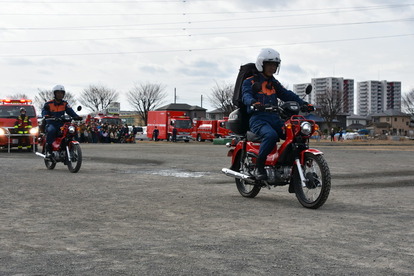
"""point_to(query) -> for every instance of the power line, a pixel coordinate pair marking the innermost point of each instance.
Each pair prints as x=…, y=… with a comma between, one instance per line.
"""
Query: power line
x=316, y=11
x=144, y=26
x=100, y=2
x=207, y=49
x=243, y=29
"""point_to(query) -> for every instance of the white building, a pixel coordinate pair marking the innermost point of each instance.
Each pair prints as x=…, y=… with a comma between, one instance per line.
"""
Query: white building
x=378, y=96
x=341, y=89
x=300, y=90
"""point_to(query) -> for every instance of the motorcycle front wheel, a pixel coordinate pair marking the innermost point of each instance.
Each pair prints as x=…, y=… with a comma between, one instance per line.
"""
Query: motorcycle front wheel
x=245, y=188
x=318, y=182
x=75, y=161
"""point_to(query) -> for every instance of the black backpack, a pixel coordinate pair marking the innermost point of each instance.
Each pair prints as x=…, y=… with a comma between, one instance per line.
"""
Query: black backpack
x=246, y=70
x=238, y=121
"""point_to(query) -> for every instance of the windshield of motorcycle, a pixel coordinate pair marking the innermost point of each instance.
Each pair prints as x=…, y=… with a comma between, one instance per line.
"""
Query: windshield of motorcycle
x=13, y=111
x=183, y=124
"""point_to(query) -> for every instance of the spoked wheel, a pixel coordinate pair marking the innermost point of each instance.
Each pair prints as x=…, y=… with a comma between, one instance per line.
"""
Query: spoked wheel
x=50, y=164
x=318, y=182
x=245, y=188
x=75, y=161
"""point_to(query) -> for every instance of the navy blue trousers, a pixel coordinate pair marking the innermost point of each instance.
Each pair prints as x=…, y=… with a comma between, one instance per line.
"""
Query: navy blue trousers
x=268, y=126
x=51, y=132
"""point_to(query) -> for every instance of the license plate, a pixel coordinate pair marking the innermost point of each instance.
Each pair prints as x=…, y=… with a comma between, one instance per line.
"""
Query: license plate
x=15, y=141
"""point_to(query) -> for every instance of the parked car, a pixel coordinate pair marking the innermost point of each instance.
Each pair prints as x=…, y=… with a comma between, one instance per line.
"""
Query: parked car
x=141, y=133
x=347, y=136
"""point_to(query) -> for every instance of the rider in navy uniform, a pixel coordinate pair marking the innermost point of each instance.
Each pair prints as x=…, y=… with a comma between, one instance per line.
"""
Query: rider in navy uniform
x=263, y=89
x=56, y=108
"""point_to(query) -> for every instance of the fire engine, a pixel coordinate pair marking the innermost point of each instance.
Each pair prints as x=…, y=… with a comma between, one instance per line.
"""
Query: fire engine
x=109, y=115
x=210, y=129
x=9, y=112
x=102, y=118
x=166, y=121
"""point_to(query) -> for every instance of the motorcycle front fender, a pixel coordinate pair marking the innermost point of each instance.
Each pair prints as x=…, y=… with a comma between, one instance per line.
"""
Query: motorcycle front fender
x=74, y=142
x=311, y=151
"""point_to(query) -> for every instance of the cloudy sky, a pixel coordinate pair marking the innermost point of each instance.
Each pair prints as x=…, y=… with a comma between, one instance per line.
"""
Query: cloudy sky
x=192, y=45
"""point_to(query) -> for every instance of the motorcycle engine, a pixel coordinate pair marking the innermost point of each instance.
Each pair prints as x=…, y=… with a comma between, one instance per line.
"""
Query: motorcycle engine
x=59, y=156
x=279, y=175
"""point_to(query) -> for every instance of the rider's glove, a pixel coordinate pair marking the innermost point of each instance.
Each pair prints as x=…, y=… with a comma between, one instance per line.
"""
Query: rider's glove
x=306, y=107
x=258, y=106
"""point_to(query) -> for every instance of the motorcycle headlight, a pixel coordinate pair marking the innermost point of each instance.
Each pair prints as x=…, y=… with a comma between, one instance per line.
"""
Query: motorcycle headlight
x=306, y=128
x=72, y=129
x=34, y=131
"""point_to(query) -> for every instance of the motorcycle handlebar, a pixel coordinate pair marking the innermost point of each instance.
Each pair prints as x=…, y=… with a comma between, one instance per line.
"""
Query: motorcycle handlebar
x=266, y=108
x=62, y=119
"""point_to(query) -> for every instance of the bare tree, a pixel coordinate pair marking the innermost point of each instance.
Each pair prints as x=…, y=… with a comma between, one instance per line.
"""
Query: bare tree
x=222, y=97
x=44, y=95
x=329, y=105
x=146, y=97
x=97, y=98
x=408, y=102
x=18, y=96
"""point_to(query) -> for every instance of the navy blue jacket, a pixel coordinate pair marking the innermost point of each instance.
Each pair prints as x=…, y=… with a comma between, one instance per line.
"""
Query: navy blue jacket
x=54, y=109
x=269, y=94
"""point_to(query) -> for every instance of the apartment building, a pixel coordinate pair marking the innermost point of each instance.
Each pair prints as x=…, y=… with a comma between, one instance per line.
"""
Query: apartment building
x=300, y=90
x=340, y=89
x=378, y=96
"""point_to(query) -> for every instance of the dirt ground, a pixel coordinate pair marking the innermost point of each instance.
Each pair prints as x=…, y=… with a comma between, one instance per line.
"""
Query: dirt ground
x=158, y=208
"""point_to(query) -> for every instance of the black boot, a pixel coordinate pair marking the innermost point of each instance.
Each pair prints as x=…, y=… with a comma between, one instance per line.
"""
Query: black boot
x=260, y=172
x=49, y=151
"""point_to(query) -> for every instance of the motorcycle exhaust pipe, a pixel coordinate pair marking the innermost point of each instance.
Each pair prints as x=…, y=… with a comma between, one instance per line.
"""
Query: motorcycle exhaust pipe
x=235, y=174
x=41, y=155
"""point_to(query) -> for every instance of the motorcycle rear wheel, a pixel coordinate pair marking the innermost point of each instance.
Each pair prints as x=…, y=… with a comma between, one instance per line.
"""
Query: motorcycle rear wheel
x=318, y=186
x=74, y=164
x=245, y=188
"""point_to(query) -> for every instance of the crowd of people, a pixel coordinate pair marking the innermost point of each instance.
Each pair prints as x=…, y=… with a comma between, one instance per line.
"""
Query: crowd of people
x=104, y=133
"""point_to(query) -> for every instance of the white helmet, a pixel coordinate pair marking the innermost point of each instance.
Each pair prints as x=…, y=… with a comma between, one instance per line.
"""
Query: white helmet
x=58, y=88
x=268, y=55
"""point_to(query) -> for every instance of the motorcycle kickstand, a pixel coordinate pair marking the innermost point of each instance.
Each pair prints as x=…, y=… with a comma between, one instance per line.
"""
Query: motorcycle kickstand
x=266, y=184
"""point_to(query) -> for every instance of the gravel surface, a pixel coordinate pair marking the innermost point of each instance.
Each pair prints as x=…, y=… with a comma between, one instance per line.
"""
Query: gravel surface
x=158, y=208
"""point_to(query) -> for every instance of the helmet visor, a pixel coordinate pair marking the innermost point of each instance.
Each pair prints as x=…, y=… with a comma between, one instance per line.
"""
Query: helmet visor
x=272, y=63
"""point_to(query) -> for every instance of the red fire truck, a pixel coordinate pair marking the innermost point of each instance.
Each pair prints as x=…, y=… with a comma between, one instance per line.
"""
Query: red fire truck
x=110, y=119
x=109, y=115
x=166, y=121
x=9, y=112
x=210, y=129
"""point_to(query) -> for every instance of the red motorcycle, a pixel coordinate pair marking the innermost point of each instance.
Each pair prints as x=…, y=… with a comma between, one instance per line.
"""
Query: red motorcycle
x=293, y=163
x=65, y=148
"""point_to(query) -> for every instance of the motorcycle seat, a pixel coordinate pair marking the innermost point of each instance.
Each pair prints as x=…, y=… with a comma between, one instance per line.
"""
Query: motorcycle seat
x=252, y=137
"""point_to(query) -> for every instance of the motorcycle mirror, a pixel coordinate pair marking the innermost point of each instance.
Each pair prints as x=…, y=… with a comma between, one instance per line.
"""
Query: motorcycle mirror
x=79, y=108
x=308, y=89
x=256, y=87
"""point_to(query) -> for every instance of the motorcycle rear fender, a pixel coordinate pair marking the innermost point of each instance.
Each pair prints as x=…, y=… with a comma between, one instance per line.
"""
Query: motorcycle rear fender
x=311, y=151
x=234, y=153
